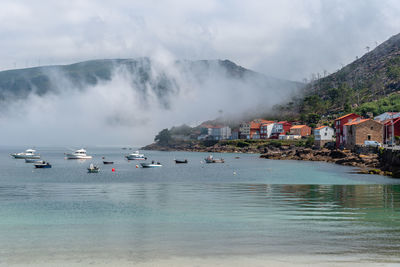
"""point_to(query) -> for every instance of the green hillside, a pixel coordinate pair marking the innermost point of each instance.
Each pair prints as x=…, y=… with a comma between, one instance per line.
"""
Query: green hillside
x=369, y=84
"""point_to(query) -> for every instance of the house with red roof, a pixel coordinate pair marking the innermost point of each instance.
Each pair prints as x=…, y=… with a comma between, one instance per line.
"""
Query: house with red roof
x=339, y=123
x=358, y=131
x=301, y=130
x=280, y=128
x=266, y=130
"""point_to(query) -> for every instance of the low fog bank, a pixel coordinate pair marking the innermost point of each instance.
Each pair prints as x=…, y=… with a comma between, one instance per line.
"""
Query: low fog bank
x=133, y=106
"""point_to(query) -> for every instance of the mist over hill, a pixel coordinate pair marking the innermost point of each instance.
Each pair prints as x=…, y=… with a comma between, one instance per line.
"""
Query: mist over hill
x=132, y=95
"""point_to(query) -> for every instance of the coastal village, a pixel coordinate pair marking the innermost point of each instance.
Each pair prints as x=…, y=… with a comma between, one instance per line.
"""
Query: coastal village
x=347, y=132
x=370, y=143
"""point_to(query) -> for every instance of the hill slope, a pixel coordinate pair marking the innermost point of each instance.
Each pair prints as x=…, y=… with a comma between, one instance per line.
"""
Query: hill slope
x=372, y=77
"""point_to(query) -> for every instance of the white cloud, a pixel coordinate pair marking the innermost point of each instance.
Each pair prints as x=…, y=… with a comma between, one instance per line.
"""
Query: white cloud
x=289, y=39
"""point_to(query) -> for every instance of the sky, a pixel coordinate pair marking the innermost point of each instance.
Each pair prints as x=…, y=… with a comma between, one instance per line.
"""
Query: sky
x=289, y=39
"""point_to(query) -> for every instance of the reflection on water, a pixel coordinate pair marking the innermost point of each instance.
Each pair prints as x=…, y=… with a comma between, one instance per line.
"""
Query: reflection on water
x=157, y=220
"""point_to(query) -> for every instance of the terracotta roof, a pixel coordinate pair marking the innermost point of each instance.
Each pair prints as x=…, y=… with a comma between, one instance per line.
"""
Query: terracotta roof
x=356, y=122
x=254, y=125
x=321, y=127
x=298, y=126
x=281, y=122
x=347, y=116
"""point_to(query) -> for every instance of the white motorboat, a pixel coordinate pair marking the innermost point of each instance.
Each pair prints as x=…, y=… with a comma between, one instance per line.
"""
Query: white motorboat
x=151, y=165
x=78, y=154
x=28, y=154
x=135, y=156
x=210, y=159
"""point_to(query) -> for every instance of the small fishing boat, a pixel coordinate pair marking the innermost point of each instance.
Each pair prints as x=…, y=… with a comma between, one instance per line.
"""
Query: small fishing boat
x=93, y=169
x=135, y=156
x=78, y=154
x=210, y=159
x=108, y=162
x=28, y=154
x=34, y=161
x=151, y=165
x=42, y=165
x=177, y=161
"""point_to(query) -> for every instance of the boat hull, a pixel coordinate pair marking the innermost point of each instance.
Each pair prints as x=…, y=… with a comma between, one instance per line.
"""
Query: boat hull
x=149, y=165
x=33, y=161
x=72, y=156
x=108, y=162
x=181, y=161
x=42, y=166
x=17, y=156
x=135, y=158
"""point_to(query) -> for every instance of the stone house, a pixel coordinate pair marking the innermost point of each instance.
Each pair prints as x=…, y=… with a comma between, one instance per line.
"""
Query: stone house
x=360, y=130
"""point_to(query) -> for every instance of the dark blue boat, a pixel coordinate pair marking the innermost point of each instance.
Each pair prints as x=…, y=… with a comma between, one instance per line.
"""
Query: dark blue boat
x=43, y=165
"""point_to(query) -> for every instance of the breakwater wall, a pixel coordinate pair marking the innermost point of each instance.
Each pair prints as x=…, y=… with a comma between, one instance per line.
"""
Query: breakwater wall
x=390, y=161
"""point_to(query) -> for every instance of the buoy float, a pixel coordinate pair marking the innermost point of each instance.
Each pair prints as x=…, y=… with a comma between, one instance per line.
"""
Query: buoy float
x=137, y=166
x=113, y=169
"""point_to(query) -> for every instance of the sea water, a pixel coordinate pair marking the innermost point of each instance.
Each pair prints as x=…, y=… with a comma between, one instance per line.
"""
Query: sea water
x=247, y=211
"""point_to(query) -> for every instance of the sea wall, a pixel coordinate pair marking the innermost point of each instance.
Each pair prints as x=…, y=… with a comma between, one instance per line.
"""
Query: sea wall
x=390, y=161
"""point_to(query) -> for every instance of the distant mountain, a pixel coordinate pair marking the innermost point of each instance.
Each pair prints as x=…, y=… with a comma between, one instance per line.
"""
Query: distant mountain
x=145, y=76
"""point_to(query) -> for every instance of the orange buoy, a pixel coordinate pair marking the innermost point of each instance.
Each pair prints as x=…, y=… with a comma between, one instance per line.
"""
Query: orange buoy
x=113, y=170
x=137, y=166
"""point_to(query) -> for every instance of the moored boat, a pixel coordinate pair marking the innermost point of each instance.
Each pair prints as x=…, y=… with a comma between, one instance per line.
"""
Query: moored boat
x=42, y=165
x=28, y=154
x=135, y=156
x=177, y=161
x=34, y=161
x=93, y=169
x=151, y=165
x=78, y=154
x=210, y=159
x=108, y=162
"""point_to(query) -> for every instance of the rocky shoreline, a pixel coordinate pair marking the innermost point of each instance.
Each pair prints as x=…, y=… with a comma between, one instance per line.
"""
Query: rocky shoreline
x=367, y=163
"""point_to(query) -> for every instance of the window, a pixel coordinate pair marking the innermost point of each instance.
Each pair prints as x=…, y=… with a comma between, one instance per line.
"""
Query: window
x=369, y=137
x=326, y=134
x=372, y=127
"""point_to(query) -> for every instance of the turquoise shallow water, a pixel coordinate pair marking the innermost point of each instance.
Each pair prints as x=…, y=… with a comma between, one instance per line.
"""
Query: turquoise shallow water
x=193, y=210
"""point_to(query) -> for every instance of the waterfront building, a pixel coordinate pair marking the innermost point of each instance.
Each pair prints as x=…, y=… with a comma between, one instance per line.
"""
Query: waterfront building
x=390, y=127
x=302, y=130
x=280, y=128
x=339, y=123
x=360, y=130
x=266, y=130
x=323, y=135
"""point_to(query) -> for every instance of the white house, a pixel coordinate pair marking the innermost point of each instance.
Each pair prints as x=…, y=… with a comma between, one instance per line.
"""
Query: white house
x=323, y=135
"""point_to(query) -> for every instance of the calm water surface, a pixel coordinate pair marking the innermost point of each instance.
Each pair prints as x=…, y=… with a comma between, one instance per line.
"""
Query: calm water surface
x=247, y=206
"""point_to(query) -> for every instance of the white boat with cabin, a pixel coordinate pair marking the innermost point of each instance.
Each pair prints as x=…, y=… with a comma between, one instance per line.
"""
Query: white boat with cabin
x=28, y=154
x=135, y=156
x=78, y=154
